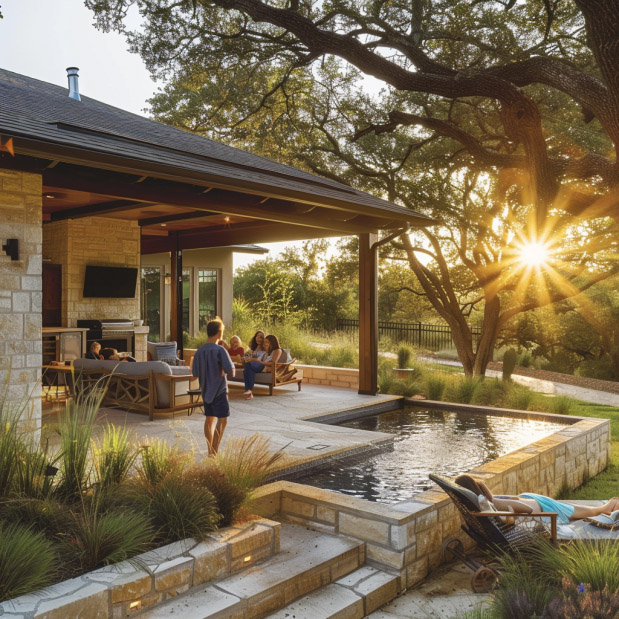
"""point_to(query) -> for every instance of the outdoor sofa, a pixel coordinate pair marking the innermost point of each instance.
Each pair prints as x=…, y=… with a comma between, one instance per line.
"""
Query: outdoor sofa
x=285, y=374
x=148, y=387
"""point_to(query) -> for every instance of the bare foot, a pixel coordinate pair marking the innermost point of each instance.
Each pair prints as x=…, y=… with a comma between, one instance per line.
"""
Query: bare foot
x=611, y=506
x=249, y=395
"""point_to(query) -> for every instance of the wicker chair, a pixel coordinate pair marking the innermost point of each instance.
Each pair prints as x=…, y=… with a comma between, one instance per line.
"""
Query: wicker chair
x=490, y=532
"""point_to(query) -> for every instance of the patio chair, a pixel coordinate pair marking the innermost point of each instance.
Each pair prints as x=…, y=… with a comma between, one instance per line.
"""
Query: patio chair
x=490, y=532
x=163, y=351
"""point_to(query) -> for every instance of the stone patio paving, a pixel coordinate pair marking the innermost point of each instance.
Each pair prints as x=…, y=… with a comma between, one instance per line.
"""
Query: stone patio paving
x=282, y=418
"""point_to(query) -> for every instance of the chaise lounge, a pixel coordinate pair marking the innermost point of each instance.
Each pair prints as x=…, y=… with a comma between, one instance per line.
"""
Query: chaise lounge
x=285, y=374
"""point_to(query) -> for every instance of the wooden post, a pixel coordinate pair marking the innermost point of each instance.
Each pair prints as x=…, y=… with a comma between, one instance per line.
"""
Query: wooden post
x=176, y=295
x=368, y=315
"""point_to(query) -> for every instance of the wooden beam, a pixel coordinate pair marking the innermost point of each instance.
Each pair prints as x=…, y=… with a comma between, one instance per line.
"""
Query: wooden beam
x=164, y=219
x=368, y=315
x=92, y=210
x=259, y=232
x=176, y=294
x=220, y=201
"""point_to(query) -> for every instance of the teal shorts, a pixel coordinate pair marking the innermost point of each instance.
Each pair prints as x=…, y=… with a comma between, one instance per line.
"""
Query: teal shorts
x=564, y=511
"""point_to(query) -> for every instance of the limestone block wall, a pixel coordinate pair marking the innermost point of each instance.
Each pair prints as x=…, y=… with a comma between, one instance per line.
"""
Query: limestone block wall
x=99, y=241
x=335, y=377
x=20, y=290
x=407, y=538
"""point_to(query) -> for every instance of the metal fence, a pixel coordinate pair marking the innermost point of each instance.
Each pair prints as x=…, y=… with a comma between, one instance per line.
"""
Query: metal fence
x=423, y=335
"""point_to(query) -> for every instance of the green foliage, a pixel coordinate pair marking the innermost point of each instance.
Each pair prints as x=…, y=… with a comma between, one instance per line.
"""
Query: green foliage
x=11, y=448
x=113, y=457
x=96, y=539
x=561, y=405
x=404, y=356
x=176, y=509
x=462, y=390
x=510, y=359
x=435, y=387
x=492, y=392
x=27, y=561
x=228, y=496
x=158, y=460
x=519, y=397
x=247, y=461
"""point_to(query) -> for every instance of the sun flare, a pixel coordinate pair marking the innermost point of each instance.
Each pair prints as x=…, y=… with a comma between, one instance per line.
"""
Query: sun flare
x=534, y=254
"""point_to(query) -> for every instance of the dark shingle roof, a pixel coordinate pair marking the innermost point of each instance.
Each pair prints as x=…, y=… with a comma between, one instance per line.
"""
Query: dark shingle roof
x=41, y=111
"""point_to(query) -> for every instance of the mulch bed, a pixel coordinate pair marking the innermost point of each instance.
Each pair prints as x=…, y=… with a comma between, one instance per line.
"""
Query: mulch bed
x=567, y=379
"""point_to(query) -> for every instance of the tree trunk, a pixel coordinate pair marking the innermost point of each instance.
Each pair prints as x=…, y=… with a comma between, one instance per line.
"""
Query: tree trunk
x=489, y=334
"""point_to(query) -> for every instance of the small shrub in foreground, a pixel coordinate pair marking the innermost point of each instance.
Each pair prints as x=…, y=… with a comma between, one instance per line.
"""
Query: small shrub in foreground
x=462, y=390
x=27, y=561
x=519, y=398
x=158, y=460
x=561, y=405
x=114, y=456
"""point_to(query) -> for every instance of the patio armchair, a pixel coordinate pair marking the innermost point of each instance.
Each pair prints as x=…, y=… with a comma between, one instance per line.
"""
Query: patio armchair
x=163, y=351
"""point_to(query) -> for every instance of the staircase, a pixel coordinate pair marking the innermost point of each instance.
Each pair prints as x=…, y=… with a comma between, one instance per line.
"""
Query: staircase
x=314, y=575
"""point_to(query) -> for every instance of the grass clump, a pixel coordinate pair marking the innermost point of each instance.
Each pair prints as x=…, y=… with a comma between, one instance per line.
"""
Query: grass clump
x=561, y=405
x=27, y=560
x=435, y=387
x=404, y=356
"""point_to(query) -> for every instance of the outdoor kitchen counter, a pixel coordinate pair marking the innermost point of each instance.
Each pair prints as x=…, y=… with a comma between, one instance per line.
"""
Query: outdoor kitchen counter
x=52, y=330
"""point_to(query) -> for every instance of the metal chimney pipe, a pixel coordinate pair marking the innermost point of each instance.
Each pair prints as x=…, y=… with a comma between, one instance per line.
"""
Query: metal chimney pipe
x=74, y=88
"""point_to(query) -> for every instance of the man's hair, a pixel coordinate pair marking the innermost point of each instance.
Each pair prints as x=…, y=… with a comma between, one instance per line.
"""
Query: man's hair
x=214, y=327
x=106, y=353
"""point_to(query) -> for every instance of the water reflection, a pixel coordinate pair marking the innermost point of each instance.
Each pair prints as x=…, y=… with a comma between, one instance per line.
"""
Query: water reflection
x=440, y=442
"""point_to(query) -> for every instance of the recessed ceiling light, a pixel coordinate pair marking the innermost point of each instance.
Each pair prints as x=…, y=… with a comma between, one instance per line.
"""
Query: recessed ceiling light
x=163, y=225
x=226, y=219
x=49, y=196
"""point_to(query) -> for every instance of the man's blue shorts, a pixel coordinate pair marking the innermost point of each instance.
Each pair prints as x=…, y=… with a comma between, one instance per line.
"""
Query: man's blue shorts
x=219, y=407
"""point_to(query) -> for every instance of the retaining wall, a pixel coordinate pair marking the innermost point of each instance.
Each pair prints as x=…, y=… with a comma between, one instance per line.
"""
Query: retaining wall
x=407, y=537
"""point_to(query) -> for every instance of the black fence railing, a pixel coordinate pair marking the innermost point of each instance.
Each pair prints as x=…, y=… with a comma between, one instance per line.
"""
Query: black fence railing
x=423, y=335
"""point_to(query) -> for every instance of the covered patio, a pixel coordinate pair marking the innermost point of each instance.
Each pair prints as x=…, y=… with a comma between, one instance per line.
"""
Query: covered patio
x=87, y=183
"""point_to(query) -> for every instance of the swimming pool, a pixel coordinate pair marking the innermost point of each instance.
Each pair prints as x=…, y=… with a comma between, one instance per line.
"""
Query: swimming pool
x=427, y=441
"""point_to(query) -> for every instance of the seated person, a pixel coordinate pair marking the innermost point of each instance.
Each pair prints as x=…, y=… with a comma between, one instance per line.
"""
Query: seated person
x=528, y=502
x=110, y=354
x=266, y=364
x=95, y=349
x=256, y=348
x=235, y=350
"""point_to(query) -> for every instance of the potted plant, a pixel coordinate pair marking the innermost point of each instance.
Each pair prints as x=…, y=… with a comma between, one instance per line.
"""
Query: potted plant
x=405, y=353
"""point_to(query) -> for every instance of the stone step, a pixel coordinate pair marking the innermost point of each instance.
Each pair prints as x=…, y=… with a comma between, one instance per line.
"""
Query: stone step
x=351, y=597
x=307, y=561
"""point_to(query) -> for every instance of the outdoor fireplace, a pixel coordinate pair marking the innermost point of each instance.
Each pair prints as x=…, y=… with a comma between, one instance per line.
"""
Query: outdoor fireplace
x=110, y=333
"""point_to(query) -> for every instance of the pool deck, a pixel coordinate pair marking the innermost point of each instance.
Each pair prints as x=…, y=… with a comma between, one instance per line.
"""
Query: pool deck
x=282, y=418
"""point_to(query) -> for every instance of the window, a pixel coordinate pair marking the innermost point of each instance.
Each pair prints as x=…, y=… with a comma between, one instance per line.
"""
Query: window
x=150, y=304
x=207, y=297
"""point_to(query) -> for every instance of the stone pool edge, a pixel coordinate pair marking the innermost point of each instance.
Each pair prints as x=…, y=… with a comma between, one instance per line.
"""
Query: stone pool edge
x=406, y=538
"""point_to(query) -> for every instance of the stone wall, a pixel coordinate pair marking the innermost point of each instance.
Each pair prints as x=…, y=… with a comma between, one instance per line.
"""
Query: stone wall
x=20, y=290
x=335, y=377
x=99, y=241
x=407, y=537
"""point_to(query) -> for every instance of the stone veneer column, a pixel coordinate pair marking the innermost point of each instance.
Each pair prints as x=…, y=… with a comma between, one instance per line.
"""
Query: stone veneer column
x=140, y=337
x=20, y=293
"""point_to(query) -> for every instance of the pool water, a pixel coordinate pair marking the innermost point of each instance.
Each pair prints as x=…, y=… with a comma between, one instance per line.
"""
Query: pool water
x=439, y=442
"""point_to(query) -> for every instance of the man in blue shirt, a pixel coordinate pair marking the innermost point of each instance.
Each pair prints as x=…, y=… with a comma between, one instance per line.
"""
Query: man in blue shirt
x=210, y=366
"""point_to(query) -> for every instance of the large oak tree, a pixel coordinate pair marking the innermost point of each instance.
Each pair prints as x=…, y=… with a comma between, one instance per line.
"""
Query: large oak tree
x=500, y=118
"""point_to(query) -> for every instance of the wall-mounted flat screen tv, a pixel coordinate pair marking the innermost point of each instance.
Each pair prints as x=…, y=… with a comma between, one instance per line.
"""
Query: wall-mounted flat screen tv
x=115, y=282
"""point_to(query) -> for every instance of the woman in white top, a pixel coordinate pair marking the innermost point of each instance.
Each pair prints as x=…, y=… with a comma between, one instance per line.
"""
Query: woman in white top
x=265, y=364
x=256, y=347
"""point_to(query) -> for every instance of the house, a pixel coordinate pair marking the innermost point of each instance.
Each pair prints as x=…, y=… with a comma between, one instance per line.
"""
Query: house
x=84, y=184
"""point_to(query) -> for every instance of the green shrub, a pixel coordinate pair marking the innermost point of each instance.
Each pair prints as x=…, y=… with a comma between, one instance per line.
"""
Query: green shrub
x=113, y=457
x=158, y=460
x=229, y=497
x=96, y=539
x=561, y=405
x=404, y=356
x=510, y=358
x=11, y=447
x=435, y=387
x=491, y=392
x=462, y=390
x=75, y=426
x=248, y=461
x=601, y=369
x=48, y=514
x=176, y=509
x=519, y=398
x=27, y=561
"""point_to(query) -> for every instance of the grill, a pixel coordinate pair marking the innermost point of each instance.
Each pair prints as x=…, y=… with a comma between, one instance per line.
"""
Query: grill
x=110, y=332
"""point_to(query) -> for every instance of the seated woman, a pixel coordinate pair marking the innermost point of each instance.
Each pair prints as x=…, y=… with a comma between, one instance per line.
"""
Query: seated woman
x=93, y=353
x=528, y=502
x=235, y=350
x=265, y=364
x=256, y=348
